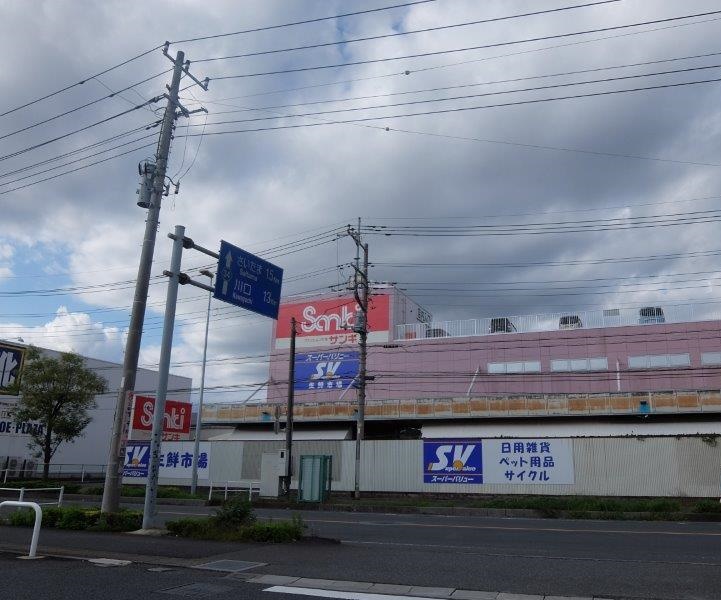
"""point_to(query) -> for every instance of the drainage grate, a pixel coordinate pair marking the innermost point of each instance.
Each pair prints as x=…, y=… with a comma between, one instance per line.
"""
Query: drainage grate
x=198, y=590
x=229, y=566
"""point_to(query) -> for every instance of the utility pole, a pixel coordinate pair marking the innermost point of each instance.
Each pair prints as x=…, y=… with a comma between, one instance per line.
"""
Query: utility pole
x=289, y=410
x=116, y=455
x=174, y=278
x=361, y=292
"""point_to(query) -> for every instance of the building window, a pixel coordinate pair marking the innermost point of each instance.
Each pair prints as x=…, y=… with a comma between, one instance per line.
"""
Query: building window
x=659, y=361
x=529, y=366
x=711, y=358
x=580, y=364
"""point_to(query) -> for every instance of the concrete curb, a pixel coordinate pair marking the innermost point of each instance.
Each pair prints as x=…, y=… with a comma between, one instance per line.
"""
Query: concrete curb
x=528, y=513
x=288, y=583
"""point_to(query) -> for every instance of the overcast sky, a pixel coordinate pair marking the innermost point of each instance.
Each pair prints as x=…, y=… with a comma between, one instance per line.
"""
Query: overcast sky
x=69, y=246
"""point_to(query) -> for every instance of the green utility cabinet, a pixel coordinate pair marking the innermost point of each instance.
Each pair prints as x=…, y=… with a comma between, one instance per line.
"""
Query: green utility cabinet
x=315, y=477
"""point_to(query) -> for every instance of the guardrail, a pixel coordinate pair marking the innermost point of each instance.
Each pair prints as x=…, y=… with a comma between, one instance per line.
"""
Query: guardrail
x=23, y=490
x=234, y=486
x=82, y=471
x=36, y=528
x=559, y=321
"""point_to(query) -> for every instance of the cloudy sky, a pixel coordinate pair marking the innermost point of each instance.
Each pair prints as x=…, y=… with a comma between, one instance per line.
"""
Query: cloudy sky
x=461, y=205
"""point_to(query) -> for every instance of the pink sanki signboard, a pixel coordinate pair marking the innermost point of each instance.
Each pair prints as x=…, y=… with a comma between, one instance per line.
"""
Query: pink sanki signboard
x=329, y=323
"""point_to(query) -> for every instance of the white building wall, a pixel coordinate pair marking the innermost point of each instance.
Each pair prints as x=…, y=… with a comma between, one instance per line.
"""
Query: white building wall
x=92, y=448
x=661, y=466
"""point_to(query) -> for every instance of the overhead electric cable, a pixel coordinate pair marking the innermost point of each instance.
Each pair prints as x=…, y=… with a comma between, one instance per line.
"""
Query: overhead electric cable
x=97, y=162
x=455, y=87
x=463, y=109
x=463, y=97
x=71, y=133
x=81, y=82
x=403, y=33
x=465, y=49
x=303, y=22
x=460, y=63
x=79, y=150
x=82, y=106
x=77, y=160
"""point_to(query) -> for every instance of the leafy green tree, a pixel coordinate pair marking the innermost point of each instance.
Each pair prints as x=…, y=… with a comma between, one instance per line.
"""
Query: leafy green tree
x=57, y=393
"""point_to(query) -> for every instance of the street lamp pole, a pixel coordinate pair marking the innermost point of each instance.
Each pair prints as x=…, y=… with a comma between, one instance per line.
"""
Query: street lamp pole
x=199, y=420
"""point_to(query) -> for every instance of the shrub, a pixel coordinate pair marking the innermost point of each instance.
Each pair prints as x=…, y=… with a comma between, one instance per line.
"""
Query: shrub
x=707, y=506
x=192, y=527
x=125, y=520
x=51, y=516
x=202, y=528
x=275, y=531
x=22, y=518
x=74, y=518
x=234, y=513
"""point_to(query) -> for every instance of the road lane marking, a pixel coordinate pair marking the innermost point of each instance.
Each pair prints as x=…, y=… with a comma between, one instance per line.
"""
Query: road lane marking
x=506, y=528
x=475, y=550
x=285, y=589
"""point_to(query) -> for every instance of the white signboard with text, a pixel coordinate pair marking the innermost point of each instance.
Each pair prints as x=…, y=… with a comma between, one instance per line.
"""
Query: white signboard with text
x=176, y=460
x=528, y=461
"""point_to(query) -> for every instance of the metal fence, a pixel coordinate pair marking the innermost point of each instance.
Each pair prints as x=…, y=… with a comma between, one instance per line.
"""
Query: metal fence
x=588, y=319
x=30, y=469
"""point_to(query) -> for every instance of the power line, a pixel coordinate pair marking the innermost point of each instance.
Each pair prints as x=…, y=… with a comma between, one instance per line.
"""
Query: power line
x=462, y=229
x=81, y=149
x=545, y=212
x=81, y=82
x=82, y=106
x=66, y=135
x=77, y=160
x=455, y=64
x=463, y=86
x=528, y=146
x=467, y=108
x=303, y=22
x=463, y=97
x=406, y=265
x=97, y=162
x=403, y=33
x=465, y=49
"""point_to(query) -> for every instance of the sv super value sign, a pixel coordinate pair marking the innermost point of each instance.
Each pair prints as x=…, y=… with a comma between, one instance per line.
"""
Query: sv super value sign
x=325, y=370
x=507, y=461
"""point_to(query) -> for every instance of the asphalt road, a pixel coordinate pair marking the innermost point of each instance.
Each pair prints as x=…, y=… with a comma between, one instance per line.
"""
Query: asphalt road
x=610, y=559
x=663, y=560
x=64, y=579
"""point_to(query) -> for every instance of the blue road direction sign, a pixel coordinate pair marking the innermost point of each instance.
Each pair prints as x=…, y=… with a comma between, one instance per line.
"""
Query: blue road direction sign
x=248, y=281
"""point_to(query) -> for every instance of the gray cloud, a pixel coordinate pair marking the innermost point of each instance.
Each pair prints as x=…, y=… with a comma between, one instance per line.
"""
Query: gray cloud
x=260, y=190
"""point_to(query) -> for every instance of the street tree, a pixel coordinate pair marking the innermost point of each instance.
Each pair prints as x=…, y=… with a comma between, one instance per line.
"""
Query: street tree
x=57, y=393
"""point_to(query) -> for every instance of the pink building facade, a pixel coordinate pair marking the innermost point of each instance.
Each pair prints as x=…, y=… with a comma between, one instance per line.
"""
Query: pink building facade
x=567, y=356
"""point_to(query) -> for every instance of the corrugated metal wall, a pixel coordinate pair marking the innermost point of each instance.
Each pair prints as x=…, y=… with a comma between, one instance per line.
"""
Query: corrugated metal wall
x=662, y=466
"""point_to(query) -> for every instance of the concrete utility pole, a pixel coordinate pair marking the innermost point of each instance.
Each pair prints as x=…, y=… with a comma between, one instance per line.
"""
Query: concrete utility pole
x=362, y=294
x=116, y=455
x=174, y=276
x=289, y=410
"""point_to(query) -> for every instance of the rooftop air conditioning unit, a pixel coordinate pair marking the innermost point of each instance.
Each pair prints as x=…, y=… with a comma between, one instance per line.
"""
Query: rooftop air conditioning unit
x=570, y=322
x=651, y=314
x=501, y=325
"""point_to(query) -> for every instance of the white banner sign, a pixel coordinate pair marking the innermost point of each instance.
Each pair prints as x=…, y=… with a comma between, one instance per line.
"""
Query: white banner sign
x=176, y=460
x=528, y=461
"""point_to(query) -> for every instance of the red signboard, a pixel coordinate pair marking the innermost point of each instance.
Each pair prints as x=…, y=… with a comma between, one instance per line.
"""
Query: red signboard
x=330, y=322
x=176, y=424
